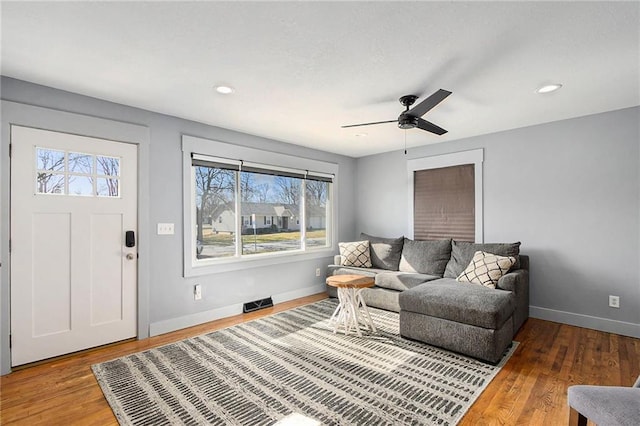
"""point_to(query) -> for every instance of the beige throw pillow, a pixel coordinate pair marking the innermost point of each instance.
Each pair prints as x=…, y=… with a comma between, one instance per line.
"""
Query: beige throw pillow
x=355, y=254
x=486, y=269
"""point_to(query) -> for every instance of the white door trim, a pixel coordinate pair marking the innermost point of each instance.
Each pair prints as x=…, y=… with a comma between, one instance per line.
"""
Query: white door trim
x=14, y=113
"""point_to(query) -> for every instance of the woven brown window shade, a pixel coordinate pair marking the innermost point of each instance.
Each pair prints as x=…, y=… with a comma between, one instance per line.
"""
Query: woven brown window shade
x=444, y=203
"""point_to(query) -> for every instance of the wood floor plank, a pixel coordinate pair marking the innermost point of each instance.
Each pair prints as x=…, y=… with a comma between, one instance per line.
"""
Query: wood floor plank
x=530, y=389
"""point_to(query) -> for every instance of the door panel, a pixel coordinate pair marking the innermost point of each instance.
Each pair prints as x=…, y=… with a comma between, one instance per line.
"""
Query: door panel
x=51, y=274
x=106, y=293
x=72, y=285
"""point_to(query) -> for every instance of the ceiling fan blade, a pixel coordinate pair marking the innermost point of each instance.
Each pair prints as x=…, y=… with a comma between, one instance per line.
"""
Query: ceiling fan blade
x=430, y=127
x=424, y=106
x=368, y=124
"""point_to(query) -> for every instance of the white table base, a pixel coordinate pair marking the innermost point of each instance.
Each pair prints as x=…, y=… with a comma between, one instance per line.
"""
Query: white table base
x=351, y=312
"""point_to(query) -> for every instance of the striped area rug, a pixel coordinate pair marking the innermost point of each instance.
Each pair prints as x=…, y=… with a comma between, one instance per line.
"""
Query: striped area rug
x=291, y=363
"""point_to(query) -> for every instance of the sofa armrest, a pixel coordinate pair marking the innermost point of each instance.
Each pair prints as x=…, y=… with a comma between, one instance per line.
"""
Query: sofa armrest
x=514, y=281
x=337, y=259
x=517, y=282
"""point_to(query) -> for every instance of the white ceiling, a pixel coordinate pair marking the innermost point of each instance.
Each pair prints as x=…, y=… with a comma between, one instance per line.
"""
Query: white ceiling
x=303, y=69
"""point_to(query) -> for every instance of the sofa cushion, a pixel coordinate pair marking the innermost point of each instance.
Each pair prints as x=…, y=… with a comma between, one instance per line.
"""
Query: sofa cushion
x=355, y=253
x=486, y=269
x=425, y=257
x=462, y=252
x=385, y=252
x=352, y=270
x=382, y=298
x=402, y=280
x=469, y=304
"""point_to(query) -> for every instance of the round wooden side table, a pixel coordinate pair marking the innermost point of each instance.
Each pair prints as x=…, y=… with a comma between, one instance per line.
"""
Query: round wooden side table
x=351, y=311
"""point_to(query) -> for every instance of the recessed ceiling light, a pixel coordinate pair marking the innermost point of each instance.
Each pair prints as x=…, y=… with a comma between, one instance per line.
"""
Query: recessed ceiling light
x=225, y=90
x=361, y=135
x=548, y=88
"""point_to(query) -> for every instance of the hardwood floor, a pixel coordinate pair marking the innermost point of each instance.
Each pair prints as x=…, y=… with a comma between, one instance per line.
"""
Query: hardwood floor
x=530, y=389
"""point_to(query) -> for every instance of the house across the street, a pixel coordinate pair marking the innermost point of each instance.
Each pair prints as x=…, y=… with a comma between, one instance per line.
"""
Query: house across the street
x=276, y=216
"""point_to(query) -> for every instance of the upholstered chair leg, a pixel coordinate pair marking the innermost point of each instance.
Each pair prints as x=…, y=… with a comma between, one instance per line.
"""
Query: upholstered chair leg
x=576, y=419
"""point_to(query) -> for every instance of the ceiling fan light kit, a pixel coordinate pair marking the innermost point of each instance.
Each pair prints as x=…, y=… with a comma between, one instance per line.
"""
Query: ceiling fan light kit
x=410, y=118
x=407, y=122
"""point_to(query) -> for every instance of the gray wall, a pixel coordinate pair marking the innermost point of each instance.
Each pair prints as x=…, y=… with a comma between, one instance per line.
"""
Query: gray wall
x=569, y=190
x=171, y=295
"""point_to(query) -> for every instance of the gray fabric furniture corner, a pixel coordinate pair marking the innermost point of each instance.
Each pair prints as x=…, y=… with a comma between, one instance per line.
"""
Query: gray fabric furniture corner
x=604, y=405
x=418, y=280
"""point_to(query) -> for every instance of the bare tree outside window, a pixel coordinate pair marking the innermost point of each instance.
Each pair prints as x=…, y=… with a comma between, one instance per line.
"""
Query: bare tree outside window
x=108, y=166
x=247, y=187
x=317, y=193
x=48, y=162
x=215, y=196
x=287, y=190
x=263, y=192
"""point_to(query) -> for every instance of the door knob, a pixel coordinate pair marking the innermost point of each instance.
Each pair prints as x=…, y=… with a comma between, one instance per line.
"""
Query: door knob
x=130, y=256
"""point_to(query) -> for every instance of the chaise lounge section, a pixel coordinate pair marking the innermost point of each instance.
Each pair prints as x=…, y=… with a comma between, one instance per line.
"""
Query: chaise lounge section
x=419, y=279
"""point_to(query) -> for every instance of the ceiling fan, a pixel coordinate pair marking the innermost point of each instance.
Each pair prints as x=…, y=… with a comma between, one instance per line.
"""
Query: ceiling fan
x=411, y=118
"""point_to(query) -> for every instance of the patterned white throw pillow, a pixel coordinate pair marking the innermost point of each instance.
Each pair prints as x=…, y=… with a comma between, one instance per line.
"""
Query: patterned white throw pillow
x=355, y=254
x=486, y=269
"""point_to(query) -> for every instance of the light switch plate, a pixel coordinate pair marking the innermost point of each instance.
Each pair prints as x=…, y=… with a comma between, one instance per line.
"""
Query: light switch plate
x=165, y=229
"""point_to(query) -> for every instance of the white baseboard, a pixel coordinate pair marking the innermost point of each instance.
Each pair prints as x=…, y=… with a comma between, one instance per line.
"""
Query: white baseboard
x=173, y=324
x=586, y=321
x=301, y=292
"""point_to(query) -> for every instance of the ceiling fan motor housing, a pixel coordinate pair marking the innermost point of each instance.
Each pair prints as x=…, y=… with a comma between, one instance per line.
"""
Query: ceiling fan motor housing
x=407, y=121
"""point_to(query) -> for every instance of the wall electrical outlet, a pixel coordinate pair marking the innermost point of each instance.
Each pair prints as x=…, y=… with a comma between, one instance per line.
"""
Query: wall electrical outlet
x=197, y=292
x=317, y=272
x=165, y=229
x=614, y=301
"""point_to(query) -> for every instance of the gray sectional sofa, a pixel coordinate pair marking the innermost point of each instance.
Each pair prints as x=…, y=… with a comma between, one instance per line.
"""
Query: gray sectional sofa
x=418, y=280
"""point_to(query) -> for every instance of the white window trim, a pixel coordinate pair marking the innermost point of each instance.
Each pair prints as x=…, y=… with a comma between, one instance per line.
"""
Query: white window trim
x=192, y=144
x=475, y=157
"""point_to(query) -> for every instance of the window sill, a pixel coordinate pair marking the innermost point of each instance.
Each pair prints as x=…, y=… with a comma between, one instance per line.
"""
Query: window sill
x=230, y=265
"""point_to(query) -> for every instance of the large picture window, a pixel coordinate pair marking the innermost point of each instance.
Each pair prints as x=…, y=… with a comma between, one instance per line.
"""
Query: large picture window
x=244, y=210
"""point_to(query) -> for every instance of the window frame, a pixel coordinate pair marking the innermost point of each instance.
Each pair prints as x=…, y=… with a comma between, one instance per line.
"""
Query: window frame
x=475, y=157
x=195, y=145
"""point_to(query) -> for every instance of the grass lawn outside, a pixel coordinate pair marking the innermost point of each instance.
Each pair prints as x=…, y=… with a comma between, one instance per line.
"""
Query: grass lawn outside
x=224, y=244
x=210, y=238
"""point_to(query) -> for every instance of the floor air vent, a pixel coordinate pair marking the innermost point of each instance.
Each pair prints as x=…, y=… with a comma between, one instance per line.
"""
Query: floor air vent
x=257, y=304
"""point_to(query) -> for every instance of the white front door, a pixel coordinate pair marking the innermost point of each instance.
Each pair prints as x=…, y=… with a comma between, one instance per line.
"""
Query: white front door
x=73, y=278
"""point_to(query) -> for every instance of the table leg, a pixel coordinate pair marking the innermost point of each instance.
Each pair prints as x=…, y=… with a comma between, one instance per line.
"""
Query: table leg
x=367, y=317
x=335, y=318
x=353, y=307
x=351, y=312
x=342, y=314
